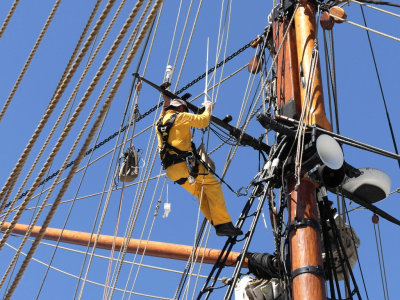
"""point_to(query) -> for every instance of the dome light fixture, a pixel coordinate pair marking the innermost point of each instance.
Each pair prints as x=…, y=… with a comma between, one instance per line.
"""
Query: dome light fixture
x=372, y=185
x=329, y=152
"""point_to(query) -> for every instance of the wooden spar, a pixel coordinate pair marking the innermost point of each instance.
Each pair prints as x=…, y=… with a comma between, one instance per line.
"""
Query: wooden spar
x=287, y=79
x=305, y=244
x=293, y=68
x=150, y=248
x=305, y=249
x=305, y=26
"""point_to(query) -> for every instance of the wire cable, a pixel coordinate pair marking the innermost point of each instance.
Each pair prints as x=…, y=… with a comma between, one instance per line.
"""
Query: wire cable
x=379, y=251
x=380, y=2
x=376, y=8
x=358, y=257
x=380, y=87
x=366, y=28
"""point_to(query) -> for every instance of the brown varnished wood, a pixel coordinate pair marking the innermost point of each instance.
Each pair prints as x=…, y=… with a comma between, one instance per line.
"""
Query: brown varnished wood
x=149, y=248
x=305, y=27
x=304, y=242
x=286, y=65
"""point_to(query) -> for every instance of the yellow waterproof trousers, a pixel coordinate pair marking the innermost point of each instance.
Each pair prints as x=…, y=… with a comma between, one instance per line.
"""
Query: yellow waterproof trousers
x=208, y=191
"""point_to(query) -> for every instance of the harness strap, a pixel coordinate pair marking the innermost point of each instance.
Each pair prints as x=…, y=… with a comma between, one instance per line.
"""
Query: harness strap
x=167, y=158
x=181, y=180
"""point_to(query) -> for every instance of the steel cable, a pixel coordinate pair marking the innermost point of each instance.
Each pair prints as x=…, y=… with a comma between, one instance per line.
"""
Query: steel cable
x=380, y=87
x=379, y=251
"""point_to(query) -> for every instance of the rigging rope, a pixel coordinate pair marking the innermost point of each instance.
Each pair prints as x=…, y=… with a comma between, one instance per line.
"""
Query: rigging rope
x=102, y=257
x=142, y=116
x=139, y=200
x=66, y=78
x=130, y=227
x=379, y=250
x=366, y=28
x=200, y=235
x=356, y=250
x=225, y=28
x=306, y=107
x=65, y=108
x=181, y=39
x=331, y=78
x=380, y=2
x=200, y=232
x=76, y=141
x=140, y=264
x=88, y=140
x=236, y=53
x=133, y=116
x=376, y=8
x=136, y=206
x=67, y=218
x=130, y=123
x=30, y=57
x=305, y=113
x=8, y=18
x=381, y=88
x=173, y=35
x=68, y=127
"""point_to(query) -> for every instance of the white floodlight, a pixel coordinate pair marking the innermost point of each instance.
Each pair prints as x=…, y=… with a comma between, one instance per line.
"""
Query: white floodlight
x=372, y=185
x=329, y=152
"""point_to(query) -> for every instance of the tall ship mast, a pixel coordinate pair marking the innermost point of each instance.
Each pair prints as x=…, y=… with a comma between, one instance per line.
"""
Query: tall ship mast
x=303, y=136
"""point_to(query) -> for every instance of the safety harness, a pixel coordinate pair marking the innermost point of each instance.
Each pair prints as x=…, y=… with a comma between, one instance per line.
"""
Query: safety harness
x=171, y=155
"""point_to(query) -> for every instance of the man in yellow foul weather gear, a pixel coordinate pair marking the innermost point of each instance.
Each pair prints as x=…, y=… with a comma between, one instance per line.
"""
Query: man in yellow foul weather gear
x=176, y=151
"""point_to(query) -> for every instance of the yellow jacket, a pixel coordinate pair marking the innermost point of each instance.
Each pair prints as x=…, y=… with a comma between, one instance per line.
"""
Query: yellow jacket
x=206, y=188
x=179, y=135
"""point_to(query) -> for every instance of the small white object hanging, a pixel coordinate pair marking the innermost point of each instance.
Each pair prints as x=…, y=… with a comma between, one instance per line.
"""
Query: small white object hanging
x=167, y=206
x=167, y=209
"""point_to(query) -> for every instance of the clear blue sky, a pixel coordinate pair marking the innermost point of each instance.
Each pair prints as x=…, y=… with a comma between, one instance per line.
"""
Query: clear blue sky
x=361, y=114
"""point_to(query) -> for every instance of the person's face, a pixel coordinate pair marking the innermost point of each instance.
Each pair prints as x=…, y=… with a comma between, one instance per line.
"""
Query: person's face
x=182, y=108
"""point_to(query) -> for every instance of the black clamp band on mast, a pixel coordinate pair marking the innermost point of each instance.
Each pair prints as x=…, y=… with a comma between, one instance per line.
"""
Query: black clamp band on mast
x=298, y=223
x=317, y=270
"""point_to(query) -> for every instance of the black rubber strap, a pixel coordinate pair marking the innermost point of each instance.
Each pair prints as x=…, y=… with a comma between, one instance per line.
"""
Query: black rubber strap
x=181, y=180
x=317, y=270
x=297, y=223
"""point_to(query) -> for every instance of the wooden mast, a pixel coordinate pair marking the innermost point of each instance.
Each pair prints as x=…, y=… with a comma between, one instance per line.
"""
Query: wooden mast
x=305, y=244
x=293, y=70
x=150, y=248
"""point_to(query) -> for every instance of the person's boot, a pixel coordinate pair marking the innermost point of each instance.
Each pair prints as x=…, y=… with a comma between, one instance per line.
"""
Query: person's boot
x=227, y=229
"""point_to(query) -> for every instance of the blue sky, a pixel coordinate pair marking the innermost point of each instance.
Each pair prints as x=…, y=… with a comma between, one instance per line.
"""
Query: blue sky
x=361, y=114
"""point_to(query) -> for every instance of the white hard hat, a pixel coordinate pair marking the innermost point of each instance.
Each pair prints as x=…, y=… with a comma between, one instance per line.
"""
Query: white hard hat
x=177, y=102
